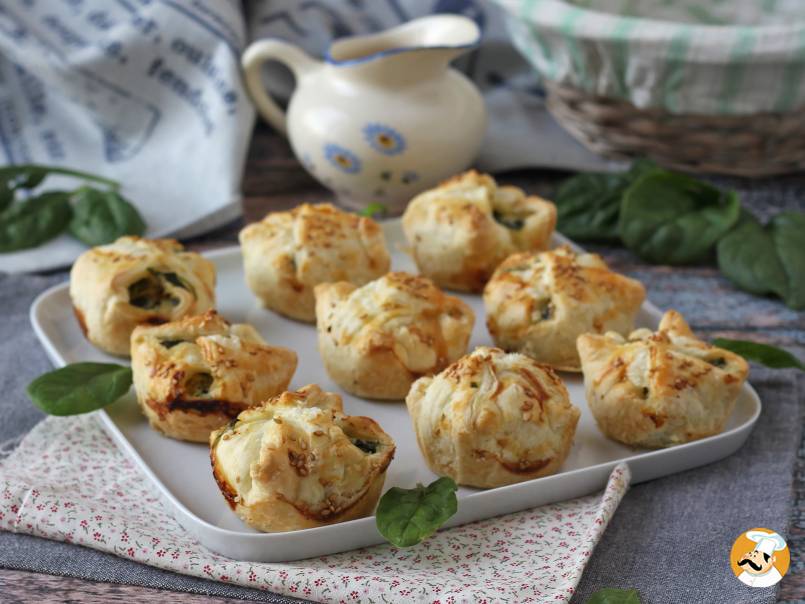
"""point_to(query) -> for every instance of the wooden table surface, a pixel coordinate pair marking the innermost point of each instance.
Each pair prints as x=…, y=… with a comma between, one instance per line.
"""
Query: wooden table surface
x=274, y=180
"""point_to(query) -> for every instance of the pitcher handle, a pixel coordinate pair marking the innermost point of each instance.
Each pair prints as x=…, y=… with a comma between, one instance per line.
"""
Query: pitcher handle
x=299, y=62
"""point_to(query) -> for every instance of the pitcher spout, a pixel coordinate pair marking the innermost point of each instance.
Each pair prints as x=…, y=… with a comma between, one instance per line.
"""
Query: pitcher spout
x=428, y=44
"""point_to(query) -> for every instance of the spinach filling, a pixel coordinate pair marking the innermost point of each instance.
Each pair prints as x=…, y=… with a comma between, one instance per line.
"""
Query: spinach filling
x=510, y=222
x=367, y=446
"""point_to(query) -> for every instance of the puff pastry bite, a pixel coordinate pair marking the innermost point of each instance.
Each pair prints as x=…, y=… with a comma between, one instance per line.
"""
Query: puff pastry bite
x=659, y=389
x=539, y=303
x=133, y=281
x=288, y=253
x=462, y=229
x=194, y=375
x=298, y=462
x=376, y=340
x=493, y=418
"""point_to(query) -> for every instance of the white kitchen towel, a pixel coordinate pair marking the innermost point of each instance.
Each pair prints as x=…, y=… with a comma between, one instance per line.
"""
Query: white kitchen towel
x=149, y=93
x=144, y=92
x=68, y=481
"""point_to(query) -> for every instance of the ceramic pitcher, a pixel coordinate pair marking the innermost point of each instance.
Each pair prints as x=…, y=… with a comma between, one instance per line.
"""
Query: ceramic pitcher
x=383, y=116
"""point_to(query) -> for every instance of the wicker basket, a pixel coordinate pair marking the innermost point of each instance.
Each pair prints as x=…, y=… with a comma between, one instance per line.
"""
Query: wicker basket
x=701, y=86
x=757, y=145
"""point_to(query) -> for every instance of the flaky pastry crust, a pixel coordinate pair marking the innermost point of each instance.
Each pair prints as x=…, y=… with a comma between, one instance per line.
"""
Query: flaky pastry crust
x=462, y=229
x=659, y=389
x=539, y=303
x=194, y=375
x=493, y=418
x=298, y=462
x=376, y=340
x=287, y=254
x=134, y=281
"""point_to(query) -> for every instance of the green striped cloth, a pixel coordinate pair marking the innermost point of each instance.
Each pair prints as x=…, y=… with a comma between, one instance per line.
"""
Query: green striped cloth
x=721, y=57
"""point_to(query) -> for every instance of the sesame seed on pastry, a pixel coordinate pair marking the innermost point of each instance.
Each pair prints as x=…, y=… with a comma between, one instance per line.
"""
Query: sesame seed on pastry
x=298, y=462
x=287, y=254
x=659, y=389
x=133, y=281
x=493, y=418
x=194, y=375
x=538, y=303
x=462, y=229
x=376, y=340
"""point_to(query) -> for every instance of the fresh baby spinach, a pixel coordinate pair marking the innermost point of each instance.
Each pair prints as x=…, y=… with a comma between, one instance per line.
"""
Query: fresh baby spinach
x=102, y=216
x=770, y=356
x=767, y=260
x=30, y=219
x=613, y=595
x=588, y=205
x=35, y=221
x=80, y=388
x=407, y=516
x=669, y=218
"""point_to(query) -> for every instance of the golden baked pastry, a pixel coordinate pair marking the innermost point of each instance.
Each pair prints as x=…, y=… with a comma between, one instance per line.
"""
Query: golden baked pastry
x=462, y=229
x=659, y=389
x=194, y=375
x=288, y=253
x=133, y=281
x=377, y=339
x=493, y=418
x=539, y=303
x=298, y=462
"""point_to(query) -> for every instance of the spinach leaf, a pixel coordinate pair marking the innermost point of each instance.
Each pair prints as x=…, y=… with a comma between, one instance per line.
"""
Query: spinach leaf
x=407, y=516
x=612, y=595
x=80, y=388
x=747, y=257
x=770, y=356
x=669, y=218
x=788, y=233
x=588, y=204
x=102, y=216
x=34, y=221
x=14, y=178
x=767, y=260
x=373, y=209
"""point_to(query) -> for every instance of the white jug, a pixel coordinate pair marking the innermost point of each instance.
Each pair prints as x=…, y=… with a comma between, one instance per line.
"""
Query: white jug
x=383, y=117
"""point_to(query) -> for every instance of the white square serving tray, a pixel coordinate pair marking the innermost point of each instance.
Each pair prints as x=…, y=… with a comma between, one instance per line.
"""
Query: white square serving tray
x=181, y=473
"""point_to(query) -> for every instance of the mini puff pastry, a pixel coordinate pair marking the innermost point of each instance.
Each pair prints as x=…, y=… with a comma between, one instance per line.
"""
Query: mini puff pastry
x=539, y=303
x=194, y=375
x=288, y=253
x=461, y=230
x=493, y=418
x=659, y=389
x=298, y=462
x=116, y=287
x=377, y=339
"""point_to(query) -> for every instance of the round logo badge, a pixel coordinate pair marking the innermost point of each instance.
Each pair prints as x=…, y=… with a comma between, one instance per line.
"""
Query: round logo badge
x=760, y=557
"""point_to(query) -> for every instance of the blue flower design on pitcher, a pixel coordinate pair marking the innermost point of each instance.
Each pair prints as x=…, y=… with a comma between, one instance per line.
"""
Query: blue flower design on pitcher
x=343, y=159
x=384, y=139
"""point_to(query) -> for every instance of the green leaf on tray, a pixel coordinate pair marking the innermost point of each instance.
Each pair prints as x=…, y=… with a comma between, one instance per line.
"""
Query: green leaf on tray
x=767, y=355
x=669, y=218
x=101, y=217
x=768, y=260
x=80, y=388
x=588, y=204
x=612, y=595
x=373, y=209
x=407, y=516
x=34, y=221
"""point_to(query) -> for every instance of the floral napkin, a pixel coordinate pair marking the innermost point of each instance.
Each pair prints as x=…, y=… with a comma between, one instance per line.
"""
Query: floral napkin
x=69, y=482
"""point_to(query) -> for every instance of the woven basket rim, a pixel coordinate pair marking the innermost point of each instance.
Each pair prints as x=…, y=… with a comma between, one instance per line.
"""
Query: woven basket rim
x=647, y=30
